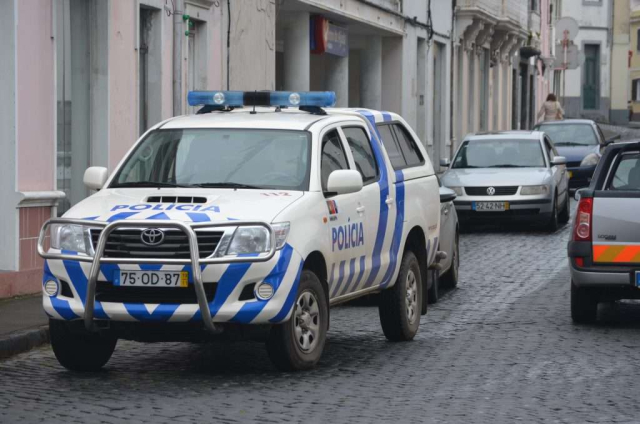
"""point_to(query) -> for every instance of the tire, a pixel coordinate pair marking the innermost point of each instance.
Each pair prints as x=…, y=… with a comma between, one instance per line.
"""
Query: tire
x=552, y=224
x=584, y=305
x=450, y=278
x=399, y=318
x=434, y=291
x=298, y=343
x=80, y=351
x=565, y=215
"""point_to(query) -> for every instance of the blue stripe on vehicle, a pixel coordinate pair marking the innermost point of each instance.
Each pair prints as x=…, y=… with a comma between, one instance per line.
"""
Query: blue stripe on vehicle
x=384, y=193
x=229, y=280
x=160, y=215
x=340, y=279
x=190, y=271
x=288, y=303
x=330, y=282
x=397, y=230
x=150, y=267
x=361, y=273
x=79, y=281
x=352, y=271
x=60, y=306
x=162, y=312
x=91, y=218
x=121, y=215
x=198, y=216
x=250, y=310
x=386, y=116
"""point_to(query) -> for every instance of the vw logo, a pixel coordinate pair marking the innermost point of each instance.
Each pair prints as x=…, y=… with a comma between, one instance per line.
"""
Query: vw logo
x=491, y=191
x=152, y=236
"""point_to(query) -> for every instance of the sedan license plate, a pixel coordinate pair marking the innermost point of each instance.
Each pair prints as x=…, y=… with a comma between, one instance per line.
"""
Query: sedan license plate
x=490, y=206
x=151, y=278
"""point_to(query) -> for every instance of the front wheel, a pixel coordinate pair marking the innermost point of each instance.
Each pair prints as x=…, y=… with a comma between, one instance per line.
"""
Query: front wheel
x=298, y=343
x=80, y=351
x=450, y=278
x=565, y=215
x=400, y=305
x=553, y=223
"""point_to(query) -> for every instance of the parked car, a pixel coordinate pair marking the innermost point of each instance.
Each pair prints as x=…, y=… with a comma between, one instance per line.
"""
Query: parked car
x=515, y=175
x=581, y=142
x=446, y=274
x=234, y=221
x=604, y=249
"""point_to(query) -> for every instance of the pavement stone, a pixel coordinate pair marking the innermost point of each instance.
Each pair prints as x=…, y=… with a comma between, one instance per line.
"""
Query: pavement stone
x=499, y=348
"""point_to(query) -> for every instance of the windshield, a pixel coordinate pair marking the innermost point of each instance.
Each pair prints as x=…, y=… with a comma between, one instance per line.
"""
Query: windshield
x=502, y=153
x=570, y=134
x=240, y=158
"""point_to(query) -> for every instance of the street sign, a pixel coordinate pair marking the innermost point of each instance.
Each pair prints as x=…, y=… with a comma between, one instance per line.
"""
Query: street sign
x=568, y=25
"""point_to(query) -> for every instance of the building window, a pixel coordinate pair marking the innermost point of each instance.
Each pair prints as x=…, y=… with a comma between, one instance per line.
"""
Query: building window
x=534, y=5
x=638, y=40
x=197, y=53
x=591, y=77
x=635, y=90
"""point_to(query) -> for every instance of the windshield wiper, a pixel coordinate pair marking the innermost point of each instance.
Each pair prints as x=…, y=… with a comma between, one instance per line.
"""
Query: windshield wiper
x=570, y=143
x=225, y=185
x=506, y=165
x=152, y=184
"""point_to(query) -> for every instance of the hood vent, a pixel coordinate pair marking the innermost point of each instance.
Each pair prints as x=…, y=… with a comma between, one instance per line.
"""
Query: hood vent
x=176, y=199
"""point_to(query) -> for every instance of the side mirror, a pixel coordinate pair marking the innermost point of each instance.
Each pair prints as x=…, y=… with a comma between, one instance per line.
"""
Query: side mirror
x=559, y=160
x=447, y=195
x=445, y=162
x=95, y=177
x=344, y=181
x=612, y=139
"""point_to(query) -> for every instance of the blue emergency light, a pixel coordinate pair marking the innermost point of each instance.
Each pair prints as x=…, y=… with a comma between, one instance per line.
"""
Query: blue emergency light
x=262, y=98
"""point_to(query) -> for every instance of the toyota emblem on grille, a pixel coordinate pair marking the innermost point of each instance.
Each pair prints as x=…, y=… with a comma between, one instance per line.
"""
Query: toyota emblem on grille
x=152, y=236
x=491, y=191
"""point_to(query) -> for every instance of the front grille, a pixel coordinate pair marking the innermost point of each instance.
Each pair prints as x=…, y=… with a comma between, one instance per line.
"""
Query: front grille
x=107, y=292
x=176, y=199
x=500, y=191
x=126, y=243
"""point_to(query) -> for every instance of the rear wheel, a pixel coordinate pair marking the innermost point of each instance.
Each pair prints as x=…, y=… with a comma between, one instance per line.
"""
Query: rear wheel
x=80, y=351
x=565, y=215
x=450, y=278
x=584, y=305
x=298, y=343
x=400, y=305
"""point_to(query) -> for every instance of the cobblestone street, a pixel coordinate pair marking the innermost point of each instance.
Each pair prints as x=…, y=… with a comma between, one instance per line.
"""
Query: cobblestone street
x=499, y=348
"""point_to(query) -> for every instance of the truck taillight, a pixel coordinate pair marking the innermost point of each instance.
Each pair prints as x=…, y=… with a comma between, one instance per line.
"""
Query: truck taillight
x=582, y=224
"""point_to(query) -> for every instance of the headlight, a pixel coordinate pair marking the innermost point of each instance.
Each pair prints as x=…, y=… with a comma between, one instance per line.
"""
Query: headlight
x=590, y=160
x=71, y=237
x=281, y=231
x=248, y=240
x=458, y=190
x=532, y=190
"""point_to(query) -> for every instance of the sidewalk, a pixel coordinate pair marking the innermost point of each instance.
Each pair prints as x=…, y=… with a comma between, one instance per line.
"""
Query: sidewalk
x=23, y=325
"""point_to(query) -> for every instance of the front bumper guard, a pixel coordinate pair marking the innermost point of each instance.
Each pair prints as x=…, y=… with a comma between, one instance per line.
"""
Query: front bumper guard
x=195, y=261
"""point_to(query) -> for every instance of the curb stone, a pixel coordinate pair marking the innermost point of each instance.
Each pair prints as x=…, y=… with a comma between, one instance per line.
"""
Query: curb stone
x=23, y=341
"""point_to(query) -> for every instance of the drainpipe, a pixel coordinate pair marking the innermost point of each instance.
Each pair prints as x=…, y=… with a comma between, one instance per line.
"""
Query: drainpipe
x=178, y=37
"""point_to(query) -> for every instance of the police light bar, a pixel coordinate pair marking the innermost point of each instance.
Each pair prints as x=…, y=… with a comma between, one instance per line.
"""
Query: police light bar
x=261, y=98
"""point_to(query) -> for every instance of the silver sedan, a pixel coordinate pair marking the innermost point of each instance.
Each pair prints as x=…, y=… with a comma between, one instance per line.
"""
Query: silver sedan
x=515, y=175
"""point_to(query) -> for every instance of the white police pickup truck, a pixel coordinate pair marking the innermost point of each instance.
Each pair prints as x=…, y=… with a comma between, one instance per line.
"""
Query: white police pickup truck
x=246, y=221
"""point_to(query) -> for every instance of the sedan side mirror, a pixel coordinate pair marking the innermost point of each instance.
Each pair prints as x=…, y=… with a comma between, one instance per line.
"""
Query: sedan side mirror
x=95, y=177
x=447, y=195
x=559, y=160
x=445, y=162
x=344, y=181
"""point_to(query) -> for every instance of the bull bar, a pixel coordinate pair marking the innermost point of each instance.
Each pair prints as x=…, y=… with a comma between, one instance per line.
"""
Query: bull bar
x=195, y=261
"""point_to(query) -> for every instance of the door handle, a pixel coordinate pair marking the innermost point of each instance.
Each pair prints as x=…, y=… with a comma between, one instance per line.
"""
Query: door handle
x=360, y=209
x=389, y=201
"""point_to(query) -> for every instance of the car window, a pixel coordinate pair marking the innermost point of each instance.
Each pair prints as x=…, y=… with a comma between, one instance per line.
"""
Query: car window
x=333, y=156
x=195, y=157
x=626, y=175
x=570, y=134
x=550, y=152
x=412, y=154
x=500, y=153
x=391, y=146
x=362, y=153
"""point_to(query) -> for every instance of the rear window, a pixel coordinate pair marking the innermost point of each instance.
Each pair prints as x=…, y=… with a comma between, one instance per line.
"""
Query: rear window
x=570, y=134
x=626, y=173
x=400, y=146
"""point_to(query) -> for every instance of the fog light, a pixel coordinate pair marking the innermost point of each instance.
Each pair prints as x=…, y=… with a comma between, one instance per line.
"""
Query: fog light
x=51, y=288
x=264, y=291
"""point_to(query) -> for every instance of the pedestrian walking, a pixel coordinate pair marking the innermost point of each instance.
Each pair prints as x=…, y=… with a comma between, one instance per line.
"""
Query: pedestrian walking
x=551, y=109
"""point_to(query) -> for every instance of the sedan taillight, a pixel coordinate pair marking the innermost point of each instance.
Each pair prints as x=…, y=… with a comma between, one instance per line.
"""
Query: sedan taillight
x=582, y=224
